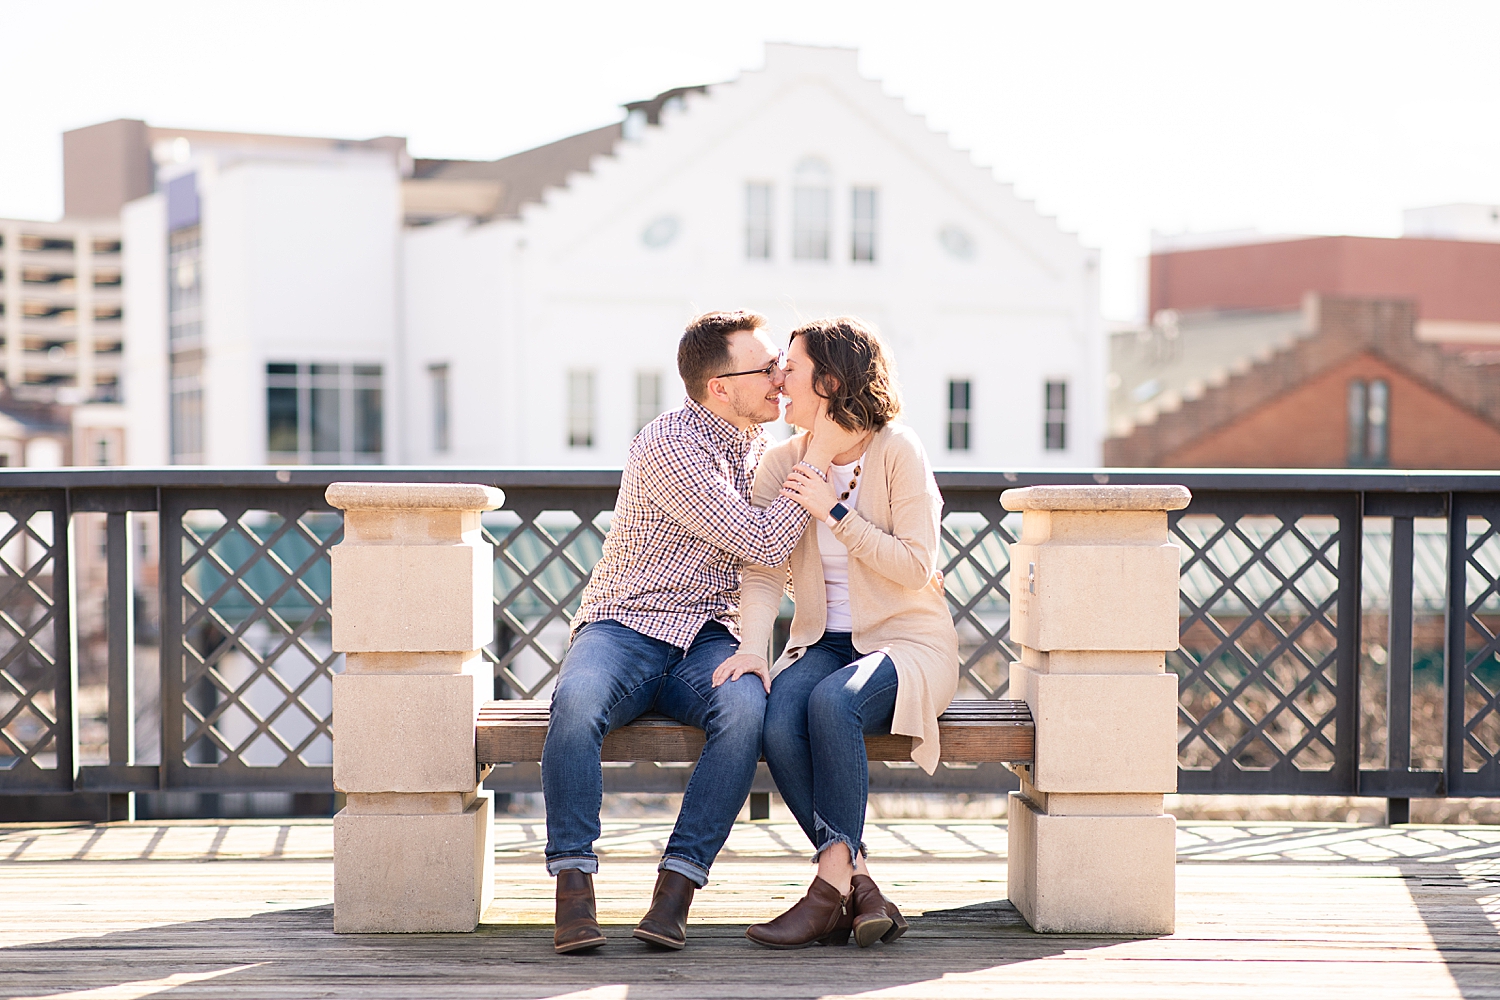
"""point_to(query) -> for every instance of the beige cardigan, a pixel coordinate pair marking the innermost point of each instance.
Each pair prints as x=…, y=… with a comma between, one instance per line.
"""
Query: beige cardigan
x=895, y=598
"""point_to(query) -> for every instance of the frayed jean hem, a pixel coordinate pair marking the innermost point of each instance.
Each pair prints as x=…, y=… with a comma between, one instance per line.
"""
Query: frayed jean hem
x=694, y=873
x=577, y=862
x=856, y=848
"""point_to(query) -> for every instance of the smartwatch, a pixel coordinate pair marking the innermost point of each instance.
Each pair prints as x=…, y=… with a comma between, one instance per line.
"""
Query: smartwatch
x=837, y=511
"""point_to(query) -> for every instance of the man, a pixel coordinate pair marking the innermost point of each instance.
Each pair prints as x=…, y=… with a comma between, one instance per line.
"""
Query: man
x=660, y=615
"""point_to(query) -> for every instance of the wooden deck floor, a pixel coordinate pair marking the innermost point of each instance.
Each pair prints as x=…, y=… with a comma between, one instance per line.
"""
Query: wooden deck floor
x=242, y=909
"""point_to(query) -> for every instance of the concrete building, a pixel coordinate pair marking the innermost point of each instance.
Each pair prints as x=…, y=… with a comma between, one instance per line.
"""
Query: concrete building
x=541, y=315
x=61, y=310
x=263, y=324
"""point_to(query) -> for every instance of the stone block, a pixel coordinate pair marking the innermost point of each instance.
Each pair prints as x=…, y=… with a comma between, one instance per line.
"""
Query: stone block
x=1092, y=874
x=413, y=873
x=1101, y=733
x=406, y=733
x=412, y=598
x=416, y=663
x=1094, y=597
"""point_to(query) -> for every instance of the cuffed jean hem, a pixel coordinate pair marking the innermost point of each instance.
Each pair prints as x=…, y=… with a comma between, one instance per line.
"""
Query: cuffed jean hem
x=576, y=862
x=856, y=848
x=694, y=873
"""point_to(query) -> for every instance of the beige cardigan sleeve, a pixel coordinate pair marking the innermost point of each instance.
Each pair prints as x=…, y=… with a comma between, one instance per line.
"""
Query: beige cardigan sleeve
x=908, y=555
x=761, y=587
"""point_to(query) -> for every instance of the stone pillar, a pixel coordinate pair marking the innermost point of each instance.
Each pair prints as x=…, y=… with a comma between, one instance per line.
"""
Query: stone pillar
x=1093, y=586
x=413, y=847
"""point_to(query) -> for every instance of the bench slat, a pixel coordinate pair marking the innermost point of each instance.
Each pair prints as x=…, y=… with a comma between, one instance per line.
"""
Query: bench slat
x=971, y=732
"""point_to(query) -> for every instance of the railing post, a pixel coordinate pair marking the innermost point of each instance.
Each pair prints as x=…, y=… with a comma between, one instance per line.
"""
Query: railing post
x=1094, y=607
x=120, y=598
x=412, y=590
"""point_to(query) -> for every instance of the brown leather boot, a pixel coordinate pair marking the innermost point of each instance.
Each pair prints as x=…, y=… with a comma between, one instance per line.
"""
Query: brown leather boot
x=820, y=917
x=875, y=917
x=665, y=924
x=577, y=919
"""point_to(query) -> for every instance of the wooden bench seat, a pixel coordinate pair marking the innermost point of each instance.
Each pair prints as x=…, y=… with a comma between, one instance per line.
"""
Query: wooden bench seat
x=971, y=732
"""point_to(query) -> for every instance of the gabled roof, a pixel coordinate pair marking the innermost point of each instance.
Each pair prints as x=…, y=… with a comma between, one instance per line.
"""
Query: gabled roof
x=1338, y=330
x=524, y=176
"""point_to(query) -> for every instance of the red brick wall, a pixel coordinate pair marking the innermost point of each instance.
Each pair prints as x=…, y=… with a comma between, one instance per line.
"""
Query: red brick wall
x=1308, y=428
x=1449, y=279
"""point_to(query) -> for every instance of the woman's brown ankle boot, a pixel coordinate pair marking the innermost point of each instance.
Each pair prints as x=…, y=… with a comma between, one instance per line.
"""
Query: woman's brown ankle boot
x=875, y=917
x=871, y=920
x=820, y=917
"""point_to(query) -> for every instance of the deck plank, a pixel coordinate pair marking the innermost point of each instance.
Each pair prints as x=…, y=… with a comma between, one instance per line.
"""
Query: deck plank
x=1422, y=919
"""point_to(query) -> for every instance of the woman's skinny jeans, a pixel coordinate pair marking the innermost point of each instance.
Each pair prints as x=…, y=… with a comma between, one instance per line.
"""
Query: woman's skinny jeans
x=817, y=716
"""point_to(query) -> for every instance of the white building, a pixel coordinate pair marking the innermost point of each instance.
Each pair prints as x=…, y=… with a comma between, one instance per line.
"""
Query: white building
x=262, y=305
x=302, y=300
x=546, y=333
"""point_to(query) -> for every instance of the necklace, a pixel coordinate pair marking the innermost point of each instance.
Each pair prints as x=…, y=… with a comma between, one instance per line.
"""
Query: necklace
x=853, y=482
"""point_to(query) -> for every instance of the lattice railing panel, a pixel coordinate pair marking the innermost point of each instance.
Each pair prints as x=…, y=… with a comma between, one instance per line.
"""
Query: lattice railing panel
x=1259, y=642
x=1480, y=681
x=542, y=563
x=257, y=659
x=976, y=569
x=33, y=723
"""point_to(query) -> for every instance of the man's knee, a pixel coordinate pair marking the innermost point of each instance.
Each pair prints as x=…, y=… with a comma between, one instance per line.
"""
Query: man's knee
x=578, y=709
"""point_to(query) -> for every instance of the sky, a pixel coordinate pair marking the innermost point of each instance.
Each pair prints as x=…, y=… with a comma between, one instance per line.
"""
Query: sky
x=1117, y=119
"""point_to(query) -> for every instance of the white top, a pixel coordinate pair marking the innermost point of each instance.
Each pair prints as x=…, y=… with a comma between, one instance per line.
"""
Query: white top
x=835, y=556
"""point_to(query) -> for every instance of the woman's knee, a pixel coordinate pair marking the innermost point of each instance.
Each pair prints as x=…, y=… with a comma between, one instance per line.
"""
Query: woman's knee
x=831, y=702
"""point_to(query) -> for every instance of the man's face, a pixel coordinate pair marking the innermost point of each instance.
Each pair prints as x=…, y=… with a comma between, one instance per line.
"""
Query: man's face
x=755, y=398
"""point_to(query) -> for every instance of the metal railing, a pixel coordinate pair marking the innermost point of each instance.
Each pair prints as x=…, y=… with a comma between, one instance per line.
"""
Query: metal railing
x=1339, y=630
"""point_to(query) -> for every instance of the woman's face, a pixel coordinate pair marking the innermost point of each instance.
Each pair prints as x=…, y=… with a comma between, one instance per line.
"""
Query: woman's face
x=803, y=404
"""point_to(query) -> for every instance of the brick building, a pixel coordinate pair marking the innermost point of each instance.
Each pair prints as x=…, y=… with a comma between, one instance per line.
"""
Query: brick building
x=1454, y=283
x=1342, y=382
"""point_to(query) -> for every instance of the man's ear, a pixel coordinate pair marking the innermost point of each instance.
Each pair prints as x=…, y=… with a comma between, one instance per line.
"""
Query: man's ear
x=715, y=389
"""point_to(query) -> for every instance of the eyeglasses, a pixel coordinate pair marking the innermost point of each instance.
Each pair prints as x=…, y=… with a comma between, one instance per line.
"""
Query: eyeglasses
x=768, y=371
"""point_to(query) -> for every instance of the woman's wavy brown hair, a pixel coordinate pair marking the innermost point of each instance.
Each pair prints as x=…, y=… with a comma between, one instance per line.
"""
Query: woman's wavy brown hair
x=853, y=371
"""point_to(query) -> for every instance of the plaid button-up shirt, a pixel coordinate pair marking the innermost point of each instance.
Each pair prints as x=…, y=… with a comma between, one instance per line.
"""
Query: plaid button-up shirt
x=682, y=524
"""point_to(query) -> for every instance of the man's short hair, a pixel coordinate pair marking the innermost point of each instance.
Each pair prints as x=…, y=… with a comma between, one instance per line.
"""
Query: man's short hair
x=703, y=351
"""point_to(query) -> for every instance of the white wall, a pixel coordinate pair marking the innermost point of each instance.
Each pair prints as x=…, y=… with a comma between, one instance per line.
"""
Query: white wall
x=144, y=379
x=515, y=305
x=299, y=264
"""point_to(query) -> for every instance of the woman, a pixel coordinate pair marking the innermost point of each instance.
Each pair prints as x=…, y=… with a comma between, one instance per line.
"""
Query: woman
x=872, y=647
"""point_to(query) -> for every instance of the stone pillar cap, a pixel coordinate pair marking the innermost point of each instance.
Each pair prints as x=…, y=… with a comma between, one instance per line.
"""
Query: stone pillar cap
x=413, y=496
x=1096, y=498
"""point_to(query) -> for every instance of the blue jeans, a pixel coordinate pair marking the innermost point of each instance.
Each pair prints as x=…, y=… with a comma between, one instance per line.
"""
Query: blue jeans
x=614, y=674
x=819, y=711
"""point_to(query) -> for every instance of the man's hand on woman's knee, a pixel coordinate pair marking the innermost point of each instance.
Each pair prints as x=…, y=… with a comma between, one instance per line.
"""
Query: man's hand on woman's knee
x=741, y=664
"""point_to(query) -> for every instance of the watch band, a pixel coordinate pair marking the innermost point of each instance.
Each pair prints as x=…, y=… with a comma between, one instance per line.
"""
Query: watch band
x=837, y=511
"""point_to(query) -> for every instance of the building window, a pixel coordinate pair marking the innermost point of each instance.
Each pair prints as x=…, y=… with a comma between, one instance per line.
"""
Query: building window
x=862, y=224
x=324, y=414
x=959, y=402
x=185, y=403
x=812, y=205
x=437, y=376
x=1055, y=417
x=647, y=398
x=1369, y=423
x=580, y=409
x=184, y=286
x=758, y=214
